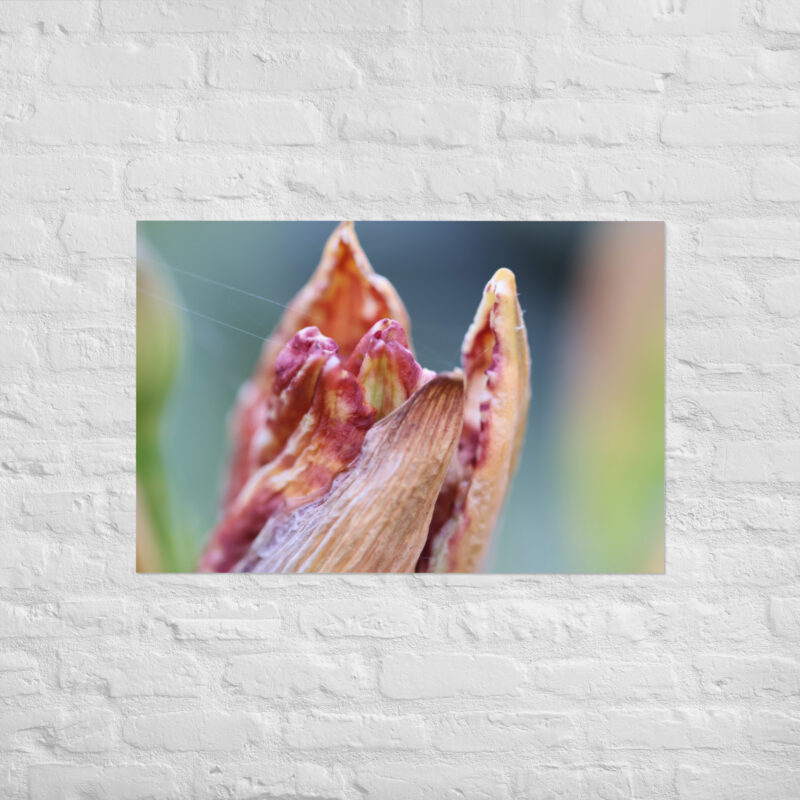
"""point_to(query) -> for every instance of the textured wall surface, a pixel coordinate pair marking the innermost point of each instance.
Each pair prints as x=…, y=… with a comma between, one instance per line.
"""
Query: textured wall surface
x=118, y=686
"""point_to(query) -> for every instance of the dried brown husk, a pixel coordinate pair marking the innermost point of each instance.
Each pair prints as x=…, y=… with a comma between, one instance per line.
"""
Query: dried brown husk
x=376, y=516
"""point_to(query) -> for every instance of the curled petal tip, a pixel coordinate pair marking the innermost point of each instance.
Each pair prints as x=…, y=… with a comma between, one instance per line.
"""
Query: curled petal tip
x=496, y=362
x=504, y=278
x=385, y=367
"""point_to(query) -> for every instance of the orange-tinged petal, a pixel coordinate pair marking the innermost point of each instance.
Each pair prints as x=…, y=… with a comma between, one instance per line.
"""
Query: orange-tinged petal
x=496, y=362
x=375, y=517
x=265, y=430
x=344, y=298
x=327, y=437
x=296, y=373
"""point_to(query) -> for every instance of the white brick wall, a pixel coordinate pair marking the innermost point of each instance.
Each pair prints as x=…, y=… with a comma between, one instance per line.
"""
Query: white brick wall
x=118, y=686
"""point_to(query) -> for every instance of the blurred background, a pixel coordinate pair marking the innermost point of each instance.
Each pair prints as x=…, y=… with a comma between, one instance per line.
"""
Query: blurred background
x=589, y=493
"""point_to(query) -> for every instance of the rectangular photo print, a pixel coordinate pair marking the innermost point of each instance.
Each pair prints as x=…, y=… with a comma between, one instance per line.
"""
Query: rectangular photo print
x=400, y=397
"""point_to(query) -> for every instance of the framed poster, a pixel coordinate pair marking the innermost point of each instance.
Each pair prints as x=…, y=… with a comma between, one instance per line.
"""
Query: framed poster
x=400, y=397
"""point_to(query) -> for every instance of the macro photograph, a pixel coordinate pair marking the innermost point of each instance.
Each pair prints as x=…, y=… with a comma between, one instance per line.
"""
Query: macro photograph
x=400, y=397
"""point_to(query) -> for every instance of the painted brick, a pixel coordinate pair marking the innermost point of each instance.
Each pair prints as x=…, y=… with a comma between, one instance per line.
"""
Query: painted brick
x=359, y=180
x=223, y=619
x=668, y=181
x=84, y=347
x=570, y=122
x=174, y=16
x=411, y=677
x=199, y=177
x=420, y=781
x=21, y=236
x=475, y=181
x=700, y=125
x=743, y=622
x=128, y=781
x=503, y=732
x=675, y=729
x=745, y=411
x=764, y=511
x=780, y=15
x=33, y=290
x=782, y=296
x=744, y=238
x=126, y=675
x=774, y=730
x=693, y=17
x=19, y=56
x=521, y=180
x=480, y=66
x=265, y=779
x=548, y=781
x=19, y=675
x=398, y=65
x=516, y=620
x=187, y=731
x=777, y=179
x=270, y=122
x=749, y=676
x=784, y=615
x=86, y=731
x=779, y=67
x=353, y=731
x=61, y=511
x=736, y=781
x=91, y=730
x=611, y=680
x=32, y=565
x=71, y=16
x=274, y=70
x=17, y=348
x=98, y=237
x=294, y=676
x=725, y=293
x=461, y=15
x=706, y=347
x=45, y=620
x=637, y=67
x=444, y=124
x=759, y=566
x=71, y=122
x=333, y=15
x=758, y=462
x=710, y=67
x=384, y=619
x=373, y=183
x=53, y=178
x=122, y=66
x=607, y=780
